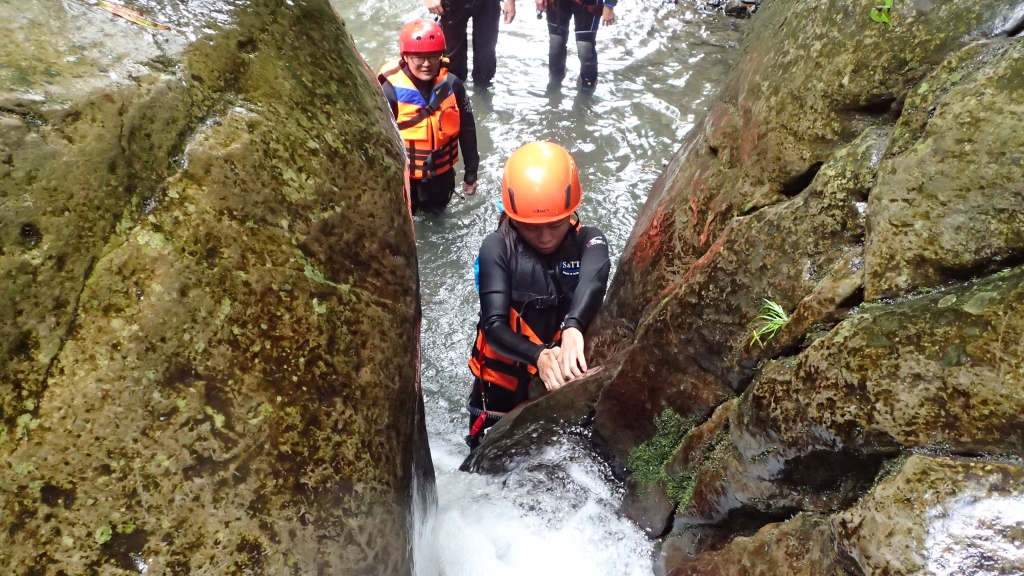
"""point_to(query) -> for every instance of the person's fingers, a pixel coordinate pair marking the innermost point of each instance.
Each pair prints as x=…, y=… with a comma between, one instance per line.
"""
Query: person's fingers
x=576, y=372
x=583, y=361
x=570, y=365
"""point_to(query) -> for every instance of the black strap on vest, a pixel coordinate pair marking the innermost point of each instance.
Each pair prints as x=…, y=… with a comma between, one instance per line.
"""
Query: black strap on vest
x=439, y=95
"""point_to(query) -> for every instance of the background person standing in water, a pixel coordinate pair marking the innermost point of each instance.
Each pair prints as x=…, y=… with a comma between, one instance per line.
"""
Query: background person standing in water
x=455, y=16
x=542, y=280
x=586, y=15
x=433, y=115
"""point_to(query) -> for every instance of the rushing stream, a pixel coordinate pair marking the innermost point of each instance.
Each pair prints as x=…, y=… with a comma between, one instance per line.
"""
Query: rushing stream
x=660, y=65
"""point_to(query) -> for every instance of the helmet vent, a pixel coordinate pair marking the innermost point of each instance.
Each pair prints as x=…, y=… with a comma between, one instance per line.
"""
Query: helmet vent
x=568, y=195
x=512, y=200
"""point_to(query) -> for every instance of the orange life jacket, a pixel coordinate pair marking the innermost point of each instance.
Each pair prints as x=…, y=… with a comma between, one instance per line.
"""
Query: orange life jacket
x=489, y=365
x=430, y=129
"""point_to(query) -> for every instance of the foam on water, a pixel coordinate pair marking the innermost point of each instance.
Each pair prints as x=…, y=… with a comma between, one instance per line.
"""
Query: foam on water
x=555, y=515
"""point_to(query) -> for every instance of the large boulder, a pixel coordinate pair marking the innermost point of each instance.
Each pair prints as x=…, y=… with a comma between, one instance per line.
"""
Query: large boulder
x=694, y=350
x=949, y=203
x=209, y=296
x=770, y=198
x=814, y=75
x=936, y=373
x=803, y=546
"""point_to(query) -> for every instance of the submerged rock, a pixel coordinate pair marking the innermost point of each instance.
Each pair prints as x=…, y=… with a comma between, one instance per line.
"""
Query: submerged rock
x=209, y=279
x=938, y=516
x=803, y=546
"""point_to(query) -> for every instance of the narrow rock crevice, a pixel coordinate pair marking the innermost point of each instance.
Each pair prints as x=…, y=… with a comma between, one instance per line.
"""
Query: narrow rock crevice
x=27, y=116
x=800, y=182
x=989, y=267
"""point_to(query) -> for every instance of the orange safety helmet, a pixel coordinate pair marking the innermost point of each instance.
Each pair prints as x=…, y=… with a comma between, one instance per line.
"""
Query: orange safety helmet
x=541, y=184
x=421, y=36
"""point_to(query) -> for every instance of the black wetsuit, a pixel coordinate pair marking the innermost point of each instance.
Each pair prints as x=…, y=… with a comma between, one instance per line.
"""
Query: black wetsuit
x=586, y=15
x=551, y=292
x=433, y=194
x=486, y=15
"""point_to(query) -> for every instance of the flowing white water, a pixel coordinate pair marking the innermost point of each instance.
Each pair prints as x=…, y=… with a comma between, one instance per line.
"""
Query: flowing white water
x=660, y=65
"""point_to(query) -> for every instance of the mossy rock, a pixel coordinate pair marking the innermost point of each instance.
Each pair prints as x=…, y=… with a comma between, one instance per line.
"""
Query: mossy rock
x=215, y=300
x=949, y=202
x=936, y=515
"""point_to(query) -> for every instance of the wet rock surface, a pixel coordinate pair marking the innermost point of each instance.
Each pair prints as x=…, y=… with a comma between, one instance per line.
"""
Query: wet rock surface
x=949, y=203
x=209, y=296
x=803, y=546
x=546, y=421
x=938, y=516
x=805, y=254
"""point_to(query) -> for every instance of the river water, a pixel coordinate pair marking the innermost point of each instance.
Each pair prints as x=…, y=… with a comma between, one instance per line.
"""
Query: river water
x=661, y=65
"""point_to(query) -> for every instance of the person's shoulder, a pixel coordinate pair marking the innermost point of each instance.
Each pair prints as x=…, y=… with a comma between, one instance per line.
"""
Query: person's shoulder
x=589, y=236
x=589, y=232
x=458, y=86
x=493, y=242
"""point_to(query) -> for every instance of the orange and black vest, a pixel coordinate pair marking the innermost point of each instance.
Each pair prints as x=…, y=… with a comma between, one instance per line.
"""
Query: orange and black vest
x=430, y=129
x=540, y=299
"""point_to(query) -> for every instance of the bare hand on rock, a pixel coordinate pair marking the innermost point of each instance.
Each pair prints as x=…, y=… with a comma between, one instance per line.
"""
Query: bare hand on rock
x=549, y=368
x=573, y=361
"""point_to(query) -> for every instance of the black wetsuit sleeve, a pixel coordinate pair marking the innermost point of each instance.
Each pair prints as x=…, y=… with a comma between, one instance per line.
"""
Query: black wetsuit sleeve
x=390, y=96
x=496, y=300
x=467, y=132
x=594, y=268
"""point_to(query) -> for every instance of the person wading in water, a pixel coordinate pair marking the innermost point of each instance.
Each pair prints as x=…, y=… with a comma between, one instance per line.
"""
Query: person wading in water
x=586, y=15
x=455, y=16
x=542, y=279
x=433, y=115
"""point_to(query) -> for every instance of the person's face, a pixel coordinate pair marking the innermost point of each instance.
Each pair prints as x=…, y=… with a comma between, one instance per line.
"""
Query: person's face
x=545, y=238
x=424, y=65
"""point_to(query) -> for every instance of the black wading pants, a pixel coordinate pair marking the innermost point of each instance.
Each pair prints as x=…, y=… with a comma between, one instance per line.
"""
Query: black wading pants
x=486, y=15
x=586, y=20
x=432, y=194
x=492, y=398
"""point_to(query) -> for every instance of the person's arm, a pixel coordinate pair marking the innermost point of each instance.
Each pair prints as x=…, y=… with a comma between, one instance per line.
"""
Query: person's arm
x=390, y=96
x=594, y=269
x=496, y=301
x=509, y=11
x=435, y=7
x=608, y=14
x=467, y=134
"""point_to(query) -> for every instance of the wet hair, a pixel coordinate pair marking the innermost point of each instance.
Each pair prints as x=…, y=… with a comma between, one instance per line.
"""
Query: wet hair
x=507, y=229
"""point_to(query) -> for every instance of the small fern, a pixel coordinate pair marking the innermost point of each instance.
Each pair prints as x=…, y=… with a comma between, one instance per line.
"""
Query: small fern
x=770, y=321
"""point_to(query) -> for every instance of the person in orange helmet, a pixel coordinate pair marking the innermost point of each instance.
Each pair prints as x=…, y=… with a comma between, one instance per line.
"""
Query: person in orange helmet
x=433, y=115
x=541, y=278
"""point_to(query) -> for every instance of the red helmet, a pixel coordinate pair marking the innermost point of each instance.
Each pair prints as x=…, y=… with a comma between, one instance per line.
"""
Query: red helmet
x=421, y=36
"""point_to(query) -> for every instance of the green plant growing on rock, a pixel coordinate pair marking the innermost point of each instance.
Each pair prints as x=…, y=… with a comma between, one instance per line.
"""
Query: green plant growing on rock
x=770, y=321
x=647, y=461
x=880, y=13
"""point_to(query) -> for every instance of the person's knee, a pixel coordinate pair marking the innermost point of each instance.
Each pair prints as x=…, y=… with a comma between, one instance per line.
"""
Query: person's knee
x=587, y=51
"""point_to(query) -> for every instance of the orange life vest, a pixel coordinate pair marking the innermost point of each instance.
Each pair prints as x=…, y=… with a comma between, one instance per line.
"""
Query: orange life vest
x=489, y=365
x=430, y=129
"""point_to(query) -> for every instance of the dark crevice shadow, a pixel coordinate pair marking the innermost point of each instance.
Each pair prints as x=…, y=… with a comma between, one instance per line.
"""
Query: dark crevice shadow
x=800, y=182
